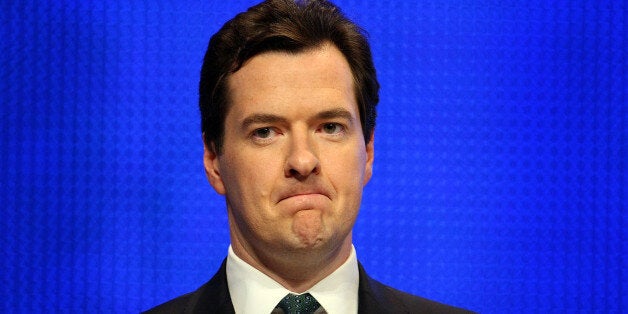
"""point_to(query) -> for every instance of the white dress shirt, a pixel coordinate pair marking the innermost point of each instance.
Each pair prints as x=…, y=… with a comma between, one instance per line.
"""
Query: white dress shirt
x=252, y=292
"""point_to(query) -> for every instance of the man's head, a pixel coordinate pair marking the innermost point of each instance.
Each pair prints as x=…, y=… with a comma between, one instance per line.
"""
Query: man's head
x=282, y=25
x=285, y=118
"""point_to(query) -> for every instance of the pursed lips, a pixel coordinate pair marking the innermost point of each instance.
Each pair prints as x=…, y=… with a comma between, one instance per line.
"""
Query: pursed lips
x=301, y=191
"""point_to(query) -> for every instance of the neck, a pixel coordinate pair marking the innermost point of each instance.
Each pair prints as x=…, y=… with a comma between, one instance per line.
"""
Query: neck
x=297, y=271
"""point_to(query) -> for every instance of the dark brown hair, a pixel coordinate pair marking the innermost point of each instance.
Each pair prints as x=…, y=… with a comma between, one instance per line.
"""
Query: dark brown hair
x=282, y=25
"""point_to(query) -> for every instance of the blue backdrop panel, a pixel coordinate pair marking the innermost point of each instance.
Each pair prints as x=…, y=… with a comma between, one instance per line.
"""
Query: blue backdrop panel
x=500, y=174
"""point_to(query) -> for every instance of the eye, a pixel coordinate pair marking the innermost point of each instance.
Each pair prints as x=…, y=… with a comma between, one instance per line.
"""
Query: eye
x=263, y=133
x=332, y=128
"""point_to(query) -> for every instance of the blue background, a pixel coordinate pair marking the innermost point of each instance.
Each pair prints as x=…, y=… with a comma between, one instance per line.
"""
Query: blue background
x=500, y=175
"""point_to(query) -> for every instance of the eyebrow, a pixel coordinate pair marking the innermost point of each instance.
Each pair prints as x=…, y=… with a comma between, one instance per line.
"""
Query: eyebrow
x=264, y=118
x=335, y=113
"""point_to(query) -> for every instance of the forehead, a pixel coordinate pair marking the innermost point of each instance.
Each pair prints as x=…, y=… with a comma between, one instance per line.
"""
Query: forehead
x=315, y=76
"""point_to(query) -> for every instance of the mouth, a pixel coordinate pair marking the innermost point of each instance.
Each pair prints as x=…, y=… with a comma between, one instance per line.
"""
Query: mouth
x=303, y=193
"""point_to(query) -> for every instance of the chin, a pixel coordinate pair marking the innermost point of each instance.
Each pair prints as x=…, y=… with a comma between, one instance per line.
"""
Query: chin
x=305, y=245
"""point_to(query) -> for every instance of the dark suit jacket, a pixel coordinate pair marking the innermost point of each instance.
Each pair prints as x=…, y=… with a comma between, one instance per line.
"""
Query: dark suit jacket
x=373, y=297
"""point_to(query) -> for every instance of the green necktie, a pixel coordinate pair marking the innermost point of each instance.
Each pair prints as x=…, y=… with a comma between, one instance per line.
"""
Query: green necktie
x=298, y=304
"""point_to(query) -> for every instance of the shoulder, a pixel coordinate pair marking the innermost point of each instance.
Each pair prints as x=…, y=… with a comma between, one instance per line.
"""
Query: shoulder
x=415, y=304
x=376, y=297
x=212, y=297
x=176, y=305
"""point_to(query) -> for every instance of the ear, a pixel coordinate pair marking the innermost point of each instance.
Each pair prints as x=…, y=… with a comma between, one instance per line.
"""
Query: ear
x=212, y=167
x=370, y=156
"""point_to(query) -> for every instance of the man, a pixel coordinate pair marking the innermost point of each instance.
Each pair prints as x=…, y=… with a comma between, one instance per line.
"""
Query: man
x=287, y=96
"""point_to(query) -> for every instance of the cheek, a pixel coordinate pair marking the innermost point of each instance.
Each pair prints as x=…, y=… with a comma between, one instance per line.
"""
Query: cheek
x=347, y=174
x=348, y=165
x=248, y=178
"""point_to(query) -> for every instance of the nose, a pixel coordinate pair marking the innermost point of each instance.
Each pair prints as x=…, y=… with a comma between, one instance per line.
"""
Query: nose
x=302, y=159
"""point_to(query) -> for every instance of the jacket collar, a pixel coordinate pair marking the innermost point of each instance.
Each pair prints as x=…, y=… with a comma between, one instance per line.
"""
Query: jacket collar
x=214, y=297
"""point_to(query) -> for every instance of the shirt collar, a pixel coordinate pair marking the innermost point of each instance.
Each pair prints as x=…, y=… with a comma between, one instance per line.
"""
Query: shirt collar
x=254, y=292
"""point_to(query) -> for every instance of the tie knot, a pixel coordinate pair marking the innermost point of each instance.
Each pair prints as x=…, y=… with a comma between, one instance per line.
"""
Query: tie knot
x=298, y=304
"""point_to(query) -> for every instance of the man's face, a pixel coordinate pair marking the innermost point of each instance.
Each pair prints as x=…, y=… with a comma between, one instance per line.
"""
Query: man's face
x=294, y=159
